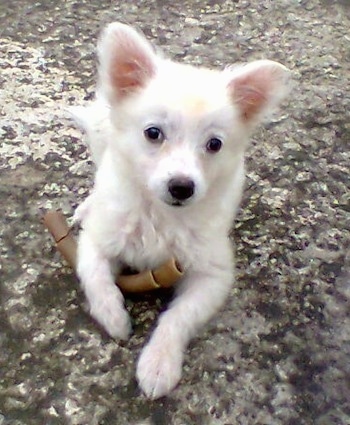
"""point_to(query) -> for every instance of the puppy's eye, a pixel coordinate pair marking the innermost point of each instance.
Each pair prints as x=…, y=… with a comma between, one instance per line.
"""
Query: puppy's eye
x=214, y=145
x=154, y=135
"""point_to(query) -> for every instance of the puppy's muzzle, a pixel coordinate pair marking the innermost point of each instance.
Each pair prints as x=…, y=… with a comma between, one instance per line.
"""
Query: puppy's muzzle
x=181, y=189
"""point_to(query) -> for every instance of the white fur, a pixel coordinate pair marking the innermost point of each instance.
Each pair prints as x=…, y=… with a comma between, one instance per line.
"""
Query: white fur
x=129, y=217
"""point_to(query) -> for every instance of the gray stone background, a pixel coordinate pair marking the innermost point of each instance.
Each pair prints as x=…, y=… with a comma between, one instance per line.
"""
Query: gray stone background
x=279, y=352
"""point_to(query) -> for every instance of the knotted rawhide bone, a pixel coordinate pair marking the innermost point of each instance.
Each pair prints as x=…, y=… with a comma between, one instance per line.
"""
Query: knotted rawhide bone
x=164, y=276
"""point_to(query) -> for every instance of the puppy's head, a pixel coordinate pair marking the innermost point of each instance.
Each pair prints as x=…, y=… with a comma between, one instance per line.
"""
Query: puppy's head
x=184, y=129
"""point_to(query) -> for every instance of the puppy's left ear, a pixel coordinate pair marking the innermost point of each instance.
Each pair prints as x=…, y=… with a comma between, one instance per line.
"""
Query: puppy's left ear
x=257, y=88
x=127, y=61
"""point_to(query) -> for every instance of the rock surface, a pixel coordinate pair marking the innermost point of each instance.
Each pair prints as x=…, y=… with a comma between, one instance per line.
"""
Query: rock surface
x=279, y=352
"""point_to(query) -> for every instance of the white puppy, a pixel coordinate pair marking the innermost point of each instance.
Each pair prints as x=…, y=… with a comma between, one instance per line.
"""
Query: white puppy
x=168, y=140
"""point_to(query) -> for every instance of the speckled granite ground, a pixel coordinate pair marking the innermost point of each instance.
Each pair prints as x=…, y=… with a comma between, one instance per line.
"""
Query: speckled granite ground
x=279, y=353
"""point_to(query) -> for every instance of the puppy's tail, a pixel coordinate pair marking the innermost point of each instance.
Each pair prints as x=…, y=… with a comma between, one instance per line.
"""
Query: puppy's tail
x=94, y=121
x=80, y=115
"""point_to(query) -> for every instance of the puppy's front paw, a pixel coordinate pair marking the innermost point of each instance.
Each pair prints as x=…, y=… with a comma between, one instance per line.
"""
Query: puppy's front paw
x=159, y=369
x=109, y=311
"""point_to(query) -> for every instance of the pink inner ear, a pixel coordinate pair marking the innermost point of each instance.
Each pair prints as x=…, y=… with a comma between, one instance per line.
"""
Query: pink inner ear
x=251, y=92
x=130, y=70
x=250, y=101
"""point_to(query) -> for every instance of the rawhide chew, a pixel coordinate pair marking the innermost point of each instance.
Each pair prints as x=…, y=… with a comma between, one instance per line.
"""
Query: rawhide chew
x=164, y=276
x=61, y=232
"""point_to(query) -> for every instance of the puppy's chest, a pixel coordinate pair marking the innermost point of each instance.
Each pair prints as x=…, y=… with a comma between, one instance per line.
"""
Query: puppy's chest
x=144, y=238
x=148, y=242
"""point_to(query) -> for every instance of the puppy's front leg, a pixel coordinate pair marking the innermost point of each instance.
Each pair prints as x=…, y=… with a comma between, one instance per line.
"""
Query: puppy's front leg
x=105, y=300
x=160, y=363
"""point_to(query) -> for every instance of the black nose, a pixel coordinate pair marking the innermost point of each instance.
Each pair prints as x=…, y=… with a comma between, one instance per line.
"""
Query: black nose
x=181, y=188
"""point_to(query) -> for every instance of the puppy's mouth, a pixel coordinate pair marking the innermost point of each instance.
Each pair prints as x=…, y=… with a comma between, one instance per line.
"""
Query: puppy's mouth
x=177, y=203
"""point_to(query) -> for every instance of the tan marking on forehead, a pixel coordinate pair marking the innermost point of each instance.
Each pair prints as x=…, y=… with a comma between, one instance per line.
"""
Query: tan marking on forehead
x=195, y=105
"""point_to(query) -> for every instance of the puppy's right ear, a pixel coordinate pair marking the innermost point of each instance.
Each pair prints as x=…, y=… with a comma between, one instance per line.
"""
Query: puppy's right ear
x=127, y=61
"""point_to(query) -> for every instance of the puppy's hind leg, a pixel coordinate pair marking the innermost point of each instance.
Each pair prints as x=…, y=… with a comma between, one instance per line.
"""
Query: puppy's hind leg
x=106, y=302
